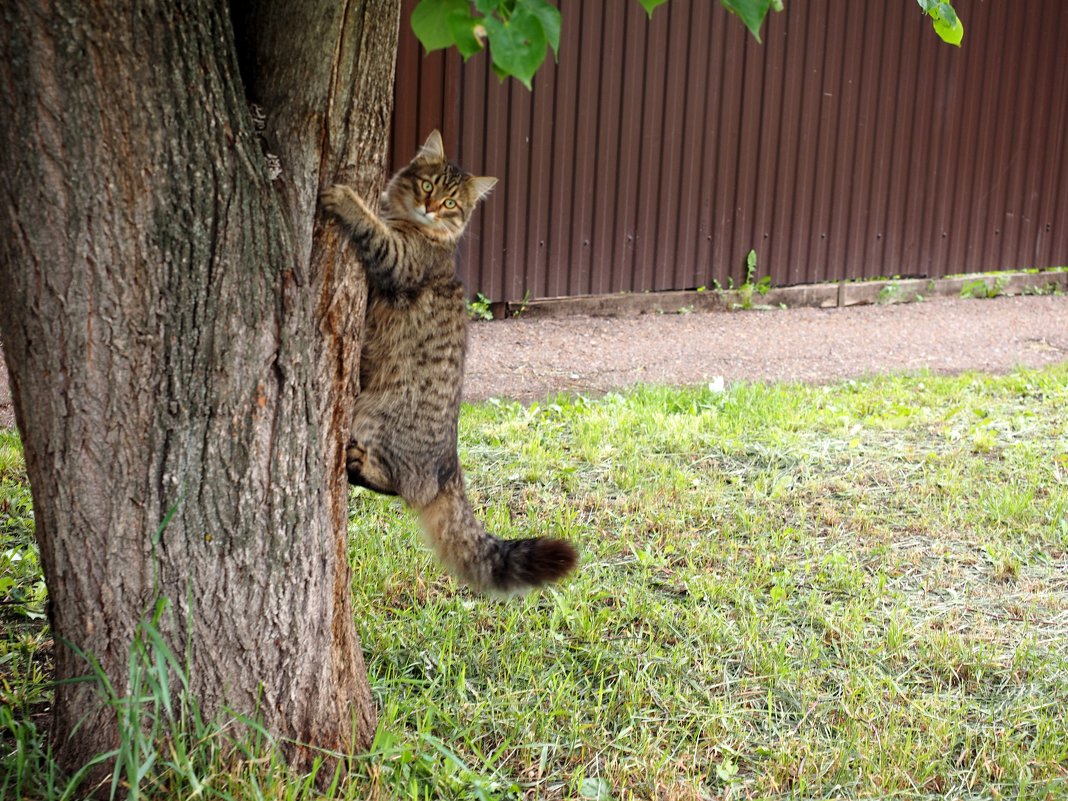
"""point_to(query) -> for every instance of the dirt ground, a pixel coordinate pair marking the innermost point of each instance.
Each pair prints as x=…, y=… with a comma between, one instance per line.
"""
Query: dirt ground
x=529, y=358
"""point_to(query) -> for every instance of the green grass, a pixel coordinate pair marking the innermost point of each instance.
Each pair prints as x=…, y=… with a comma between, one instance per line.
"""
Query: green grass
x=786, y=591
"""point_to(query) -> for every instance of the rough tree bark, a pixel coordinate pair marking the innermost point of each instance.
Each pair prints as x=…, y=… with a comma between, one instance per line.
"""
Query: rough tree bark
x=182, y=333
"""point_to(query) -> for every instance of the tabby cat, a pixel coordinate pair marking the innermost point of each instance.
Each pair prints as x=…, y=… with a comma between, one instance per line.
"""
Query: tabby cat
x=404, y=434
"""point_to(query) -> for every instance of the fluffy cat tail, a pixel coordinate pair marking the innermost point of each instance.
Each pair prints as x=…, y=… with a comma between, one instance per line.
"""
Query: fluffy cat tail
x=482, y=561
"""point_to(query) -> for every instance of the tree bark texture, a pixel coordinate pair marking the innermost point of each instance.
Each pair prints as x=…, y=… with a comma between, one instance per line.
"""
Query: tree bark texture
x=182, y=335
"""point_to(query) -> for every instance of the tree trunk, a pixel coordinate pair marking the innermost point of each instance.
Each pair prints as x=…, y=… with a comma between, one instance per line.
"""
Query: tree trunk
x=183, y=336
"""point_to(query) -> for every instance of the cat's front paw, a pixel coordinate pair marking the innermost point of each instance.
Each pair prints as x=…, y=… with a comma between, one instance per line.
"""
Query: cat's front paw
x=339, y=200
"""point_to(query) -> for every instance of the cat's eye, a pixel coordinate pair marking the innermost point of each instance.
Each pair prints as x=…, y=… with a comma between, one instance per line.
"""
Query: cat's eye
x=427, y=186
x=449, y=203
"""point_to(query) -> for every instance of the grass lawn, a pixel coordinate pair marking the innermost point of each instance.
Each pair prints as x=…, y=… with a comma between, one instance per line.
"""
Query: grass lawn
x=785, y=591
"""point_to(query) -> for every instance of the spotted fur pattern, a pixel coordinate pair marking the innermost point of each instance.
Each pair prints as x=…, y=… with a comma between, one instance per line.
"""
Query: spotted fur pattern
x=404, y=433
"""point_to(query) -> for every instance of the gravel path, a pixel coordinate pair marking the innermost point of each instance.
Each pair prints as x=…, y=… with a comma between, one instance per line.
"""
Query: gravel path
x=530, y=358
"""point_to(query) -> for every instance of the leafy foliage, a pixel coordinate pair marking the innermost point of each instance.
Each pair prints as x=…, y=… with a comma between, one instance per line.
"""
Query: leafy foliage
x=518, y=31
x=480, y=308
x=752, y=284
x=22, y=589
x=752, y=12
x=945, y=20
x=980, y=288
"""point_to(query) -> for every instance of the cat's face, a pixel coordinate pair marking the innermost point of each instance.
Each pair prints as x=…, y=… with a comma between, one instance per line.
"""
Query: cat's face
x=434, y=194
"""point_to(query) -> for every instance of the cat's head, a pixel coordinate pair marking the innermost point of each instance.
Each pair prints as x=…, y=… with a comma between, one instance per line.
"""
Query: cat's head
x=437, y=196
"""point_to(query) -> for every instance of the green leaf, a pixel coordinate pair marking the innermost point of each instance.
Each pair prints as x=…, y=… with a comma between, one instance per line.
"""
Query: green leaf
x=487, y=6
x=465, y=31
x=944, y=18
x=649, y=5
x=946, y=12
x=516, y=46
x=549, y=17
x=430, y=22
x=595, y=789
x=951, y=34
x=727, y=770
x=948, y=25
x=752, y=12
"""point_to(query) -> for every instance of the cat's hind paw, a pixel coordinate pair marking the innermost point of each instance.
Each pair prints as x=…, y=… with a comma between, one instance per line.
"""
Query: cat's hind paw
x=363, y=471
x=355, y=456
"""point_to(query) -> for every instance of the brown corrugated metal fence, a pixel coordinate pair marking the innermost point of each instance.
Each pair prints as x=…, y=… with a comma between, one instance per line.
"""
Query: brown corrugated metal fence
x=852, y=144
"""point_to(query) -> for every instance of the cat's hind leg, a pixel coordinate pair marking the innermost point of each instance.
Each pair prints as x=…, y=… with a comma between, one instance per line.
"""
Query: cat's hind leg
x=392, y=456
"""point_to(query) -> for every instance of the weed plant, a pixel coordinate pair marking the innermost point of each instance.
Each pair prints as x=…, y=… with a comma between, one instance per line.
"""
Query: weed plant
x=786, y=591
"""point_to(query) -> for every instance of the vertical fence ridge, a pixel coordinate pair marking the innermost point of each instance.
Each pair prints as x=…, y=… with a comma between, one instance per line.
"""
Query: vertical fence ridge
x=1056, y=207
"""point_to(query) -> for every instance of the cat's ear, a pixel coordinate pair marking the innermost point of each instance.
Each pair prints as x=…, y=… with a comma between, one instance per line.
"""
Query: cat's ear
x=433, y=149
x=482, y=184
